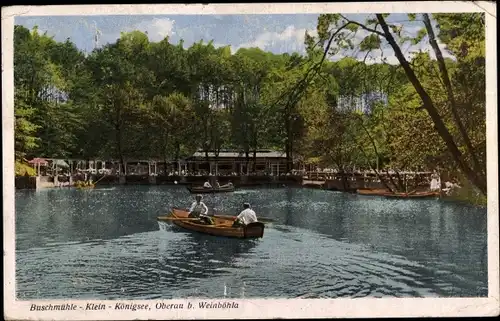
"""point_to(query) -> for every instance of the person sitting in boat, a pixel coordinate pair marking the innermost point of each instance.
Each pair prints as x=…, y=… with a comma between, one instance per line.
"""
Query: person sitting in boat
x=200, y=210
x=217, y=185
x=198, y=207
x=229, y=184
x=246, y=217
x=207, y=185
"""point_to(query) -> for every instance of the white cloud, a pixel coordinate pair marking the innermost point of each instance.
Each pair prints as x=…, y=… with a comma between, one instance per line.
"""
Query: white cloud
x=156, y=29
x=289, y=40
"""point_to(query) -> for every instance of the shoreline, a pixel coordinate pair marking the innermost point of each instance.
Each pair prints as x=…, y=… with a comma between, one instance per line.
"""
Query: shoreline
x=270, y=182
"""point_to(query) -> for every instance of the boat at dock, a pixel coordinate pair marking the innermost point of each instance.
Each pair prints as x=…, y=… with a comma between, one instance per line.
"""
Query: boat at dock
x=84, y=185
x=413, y=195
x=222, y=225
x=204, y=190
x=374, y=192
x=388, y=194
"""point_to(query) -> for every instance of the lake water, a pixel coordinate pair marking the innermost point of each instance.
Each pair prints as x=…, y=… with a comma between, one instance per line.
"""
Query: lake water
x=106, y=244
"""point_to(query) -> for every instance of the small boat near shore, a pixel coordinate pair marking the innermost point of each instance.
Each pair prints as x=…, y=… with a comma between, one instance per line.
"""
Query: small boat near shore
x=413, y=195
x=388, y=194
x=84, y=185
x=204, y=190
x=374, y=192
x=222, y=226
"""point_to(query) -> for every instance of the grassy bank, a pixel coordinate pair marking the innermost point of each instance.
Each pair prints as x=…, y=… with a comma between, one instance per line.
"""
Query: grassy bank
x=469, y=194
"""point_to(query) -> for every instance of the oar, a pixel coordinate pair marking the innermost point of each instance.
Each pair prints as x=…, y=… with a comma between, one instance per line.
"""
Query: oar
x=170, y=218
x=260, y=219
x=99, y=179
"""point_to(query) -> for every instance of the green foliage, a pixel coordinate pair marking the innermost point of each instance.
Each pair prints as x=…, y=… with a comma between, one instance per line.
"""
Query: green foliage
x=139, y=99
x=23, y=169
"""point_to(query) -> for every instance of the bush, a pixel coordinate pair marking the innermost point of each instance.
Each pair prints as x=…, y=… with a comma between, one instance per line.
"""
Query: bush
x=468, y=193
x=23, y=169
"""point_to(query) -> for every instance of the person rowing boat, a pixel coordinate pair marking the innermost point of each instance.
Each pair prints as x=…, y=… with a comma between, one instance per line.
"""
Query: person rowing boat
x=200, y=210
x=246, y=216
x=207, y=185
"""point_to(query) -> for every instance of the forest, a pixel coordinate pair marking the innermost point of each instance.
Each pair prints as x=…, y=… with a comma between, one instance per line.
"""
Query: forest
x=158, y=100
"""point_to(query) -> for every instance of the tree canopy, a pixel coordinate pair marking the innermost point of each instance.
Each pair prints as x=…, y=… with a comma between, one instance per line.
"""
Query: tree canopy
x=139, y=99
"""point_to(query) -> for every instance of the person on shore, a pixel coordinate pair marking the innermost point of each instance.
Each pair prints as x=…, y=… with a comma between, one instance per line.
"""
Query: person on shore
x=435, y=184
x=198, y=208
x=207, y=185
x=246, y=216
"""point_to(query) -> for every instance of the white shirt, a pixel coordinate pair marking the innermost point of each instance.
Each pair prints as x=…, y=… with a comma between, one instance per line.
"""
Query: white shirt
x=247, y=216
x=201, y=208
x=207, y=185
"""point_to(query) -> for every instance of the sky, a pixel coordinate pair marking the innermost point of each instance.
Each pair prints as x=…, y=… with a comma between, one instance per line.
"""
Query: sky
x=276, y=33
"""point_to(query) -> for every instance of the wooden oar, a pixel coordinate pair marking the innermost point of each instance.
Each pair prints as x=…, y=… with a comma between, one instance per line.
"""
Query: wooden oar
x=170, y=218
x=232, y=217
x=99, y=179
x=260, y=219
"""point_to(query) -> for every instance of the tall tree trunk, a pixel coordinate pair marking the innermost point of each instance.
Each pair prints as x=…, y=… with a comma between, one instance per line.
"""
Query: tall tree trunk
x=433, y=113
x=119, y=148
x=247, y=158
x=451, y=96
x=165, y=158
x=177, y=154
x=254, y=165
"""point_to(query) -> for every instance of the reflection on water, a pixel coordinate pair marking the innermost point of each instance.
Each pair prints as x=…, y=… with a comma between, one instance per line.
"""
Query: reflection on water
x=106, y=243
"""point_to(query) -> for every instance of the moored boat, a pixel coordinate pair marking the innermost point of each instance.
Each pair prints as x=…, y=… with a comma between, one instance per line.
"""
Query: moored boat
x=204, y=190
x=222, y=225
x=413, y=195
x=84, y=185
x=374, y=192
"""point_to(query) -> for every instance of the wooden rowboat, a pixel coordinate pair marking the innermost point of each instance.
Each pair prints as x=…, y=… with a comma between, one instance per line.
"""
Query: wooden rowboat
x=413, y=195
x=374, y=192
x=222, y=226
x=203, y=190
x=85, y=187
x=388, y=194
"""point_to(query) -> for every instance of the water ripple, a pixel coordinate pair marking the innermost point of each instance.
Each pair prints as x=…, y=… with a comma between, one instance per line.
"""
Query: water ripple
x=108, y=245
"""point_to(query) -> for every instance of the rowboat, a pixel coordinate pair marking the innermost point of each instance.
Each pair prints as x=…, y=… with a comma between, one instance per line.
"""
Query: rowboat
x=204, y=190
x=85, y=187
x=82, y=185
x=413, y=195
x=222, y=226
x=374, y=192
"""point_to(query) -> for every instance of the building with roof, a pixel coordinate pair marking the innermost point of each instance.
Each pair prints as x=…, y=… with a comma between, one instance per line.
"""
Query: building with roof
x=226, y=161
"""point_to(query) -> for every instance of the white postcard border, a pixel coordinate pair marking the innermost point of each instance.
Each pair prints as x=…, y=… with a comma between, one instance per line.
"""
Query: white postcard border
x=258, y=308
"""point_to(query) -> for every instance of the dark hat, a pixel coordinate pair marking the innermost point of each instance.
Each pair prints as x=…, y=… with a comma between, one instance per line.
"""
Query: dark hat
x=246, y=204
x=199, y=196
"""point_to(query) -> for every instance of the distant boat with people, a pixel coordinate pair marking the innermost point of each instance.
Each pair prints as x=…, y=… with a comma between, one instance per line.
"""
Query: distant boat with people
x=207, y=188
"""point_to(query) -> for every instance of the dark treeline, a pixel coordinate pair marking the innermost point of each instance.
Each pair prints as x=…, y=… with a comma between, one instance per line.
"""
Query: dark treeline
x=139, y=99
